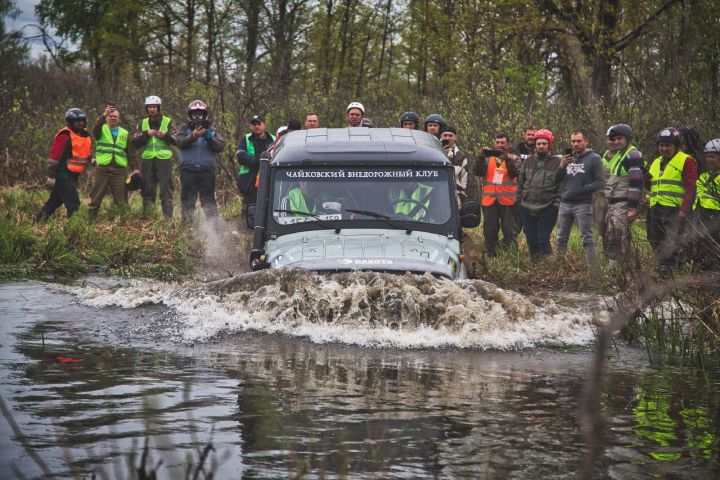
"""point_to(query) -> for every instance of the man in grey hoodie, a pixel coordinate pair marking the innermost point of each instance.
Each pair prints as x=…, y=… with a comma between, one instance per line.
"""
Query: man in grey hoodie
x=581, y=174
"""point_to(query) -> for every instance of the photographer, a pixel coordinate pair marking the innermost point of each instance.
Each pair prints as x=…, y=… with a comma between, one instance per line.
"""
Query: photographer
x=199, y=143
x=498, y=169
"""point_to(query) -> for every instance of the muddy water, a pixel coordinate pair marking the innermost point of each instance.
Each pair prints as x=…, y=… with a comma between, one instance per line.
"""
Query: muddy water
x=351, y=376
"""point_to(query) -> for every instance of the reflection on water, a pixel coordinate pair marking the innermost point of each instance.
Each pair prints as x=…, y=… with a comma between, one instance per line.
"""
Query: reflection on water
x=87, y=386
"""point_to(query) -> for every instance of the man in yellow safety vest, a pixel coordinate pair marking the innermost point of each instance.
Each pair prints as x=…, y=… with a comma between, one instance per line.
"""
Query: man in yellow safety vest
x=153, y=138
x=114, y=155
x=707, y=209
x=671, y=182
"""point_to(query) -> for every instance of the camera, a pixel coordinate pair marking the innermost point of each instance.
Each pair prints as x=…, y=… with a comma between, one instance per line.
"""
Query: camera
x=199, y=122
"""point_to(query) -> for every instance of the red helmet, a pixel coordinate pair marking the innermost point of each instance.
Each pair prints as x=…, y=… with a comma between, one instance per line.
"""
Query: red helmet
x=547, y=135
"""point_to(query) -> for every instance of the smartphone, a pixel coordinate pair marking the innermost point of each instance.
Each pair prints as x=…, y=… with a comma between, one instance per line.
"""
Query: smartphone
x=568, y=151
x=445, y=142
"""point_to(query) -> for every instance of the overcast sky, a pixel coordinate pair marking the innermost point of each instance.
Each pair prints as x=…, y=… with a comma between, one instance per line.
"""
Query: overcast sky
x=25, y=19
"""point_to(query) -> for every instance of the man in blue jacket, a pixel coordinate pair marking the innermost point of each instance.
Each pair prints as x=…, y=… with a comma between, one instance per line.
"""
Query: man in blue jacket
x=199, y=144
x=581, y=173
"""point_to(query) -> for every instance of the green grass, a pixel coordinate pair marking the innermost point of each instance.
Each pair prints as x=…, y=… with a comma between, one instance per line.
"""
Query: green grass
x=118, y=243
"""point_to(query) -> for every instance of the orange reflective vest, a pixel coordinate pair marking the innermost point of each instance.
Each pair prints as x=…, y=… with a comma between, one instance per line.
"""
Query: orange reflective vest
x=497, y=184
x=81, y=150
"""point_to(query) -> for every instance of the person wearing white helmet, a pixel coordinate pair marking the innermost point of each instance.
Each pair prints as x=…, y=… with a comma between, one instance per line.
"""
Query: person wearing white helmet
x=199, y=143
x=154, y=138
x=707, y=208
x=355, y=114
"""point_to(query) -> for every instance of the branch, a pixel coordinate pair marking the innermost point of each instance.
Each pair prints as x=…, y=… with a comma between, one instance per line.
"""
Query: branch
x=635, y=34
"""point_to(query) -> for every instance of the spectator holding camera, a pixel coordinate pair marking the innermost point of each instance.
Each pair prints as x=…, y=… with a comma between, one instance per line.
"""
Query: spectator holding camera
x=498, y=169
x=114, y=155
x=199, y=143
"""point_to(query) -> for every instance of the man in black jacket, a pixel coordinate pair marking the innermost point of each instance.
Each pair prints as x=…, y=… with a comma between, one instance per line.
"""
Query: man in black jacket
x=251, y=146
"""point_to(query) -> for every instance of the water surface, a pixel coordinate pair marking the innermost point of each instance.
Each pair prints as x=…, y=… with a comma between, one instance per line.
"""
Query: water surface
x=93, y=371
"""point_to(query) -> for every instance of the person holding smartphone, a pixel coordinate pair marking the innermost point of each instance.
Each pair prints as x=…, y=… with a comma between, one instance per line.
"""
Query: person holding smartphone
x=582, y=174
x=114, y=155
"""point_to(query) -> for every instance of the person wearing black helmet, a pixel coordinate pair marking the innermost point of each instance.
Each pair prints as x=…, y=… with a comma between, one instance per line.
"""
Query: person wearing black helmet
x=623, y=163
x=69, y=154
x=434, y=124
x=671, y=180
x=410, y=120
x=199, y=143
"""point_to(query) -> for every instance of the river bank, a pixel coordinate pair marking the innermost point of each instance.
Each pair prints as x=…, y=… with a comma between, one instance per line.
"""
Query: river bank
x=133, y=246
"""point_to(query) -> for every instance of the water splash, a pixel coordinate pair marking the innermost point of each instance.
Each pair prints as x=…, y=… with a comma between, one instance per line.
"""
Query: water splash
x=361, y=308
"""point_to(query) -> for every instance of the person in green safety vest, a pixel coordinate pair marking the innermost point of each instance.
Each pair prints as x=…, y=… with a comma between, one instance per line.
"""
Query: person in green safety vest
x=250, y=147
x=411, y=200
x=707, y=209
x=308, y=197
x=153, y=138
x=624, y=166
x=114, y=158
x=671, y=180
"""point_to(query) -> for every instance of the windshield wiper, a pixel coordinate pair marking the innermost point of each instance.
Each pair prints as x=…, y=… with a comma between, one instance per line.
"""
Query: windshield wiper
x=383, y=218
x=320, y=221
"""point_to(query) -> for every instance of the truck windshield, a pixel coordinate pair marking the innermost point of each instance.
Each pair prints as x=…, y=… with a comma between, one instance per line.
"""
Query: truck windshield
x=361, y=194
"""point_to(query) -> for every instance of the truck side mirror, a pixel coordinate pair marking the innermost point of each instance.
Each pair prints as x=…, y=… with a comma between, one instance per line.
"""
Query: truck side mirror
x=250, y=218
x=470, y=215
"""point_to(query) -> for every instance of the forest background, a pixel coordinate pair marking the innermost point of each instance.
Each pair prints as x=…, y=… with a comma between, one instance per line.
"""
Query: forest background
x=486, y=66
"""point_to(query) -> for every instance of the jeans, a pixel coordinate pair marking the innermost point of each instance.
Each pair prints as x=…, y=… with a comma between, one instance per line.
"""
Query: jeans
x=538, y=227
x=583, y=213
